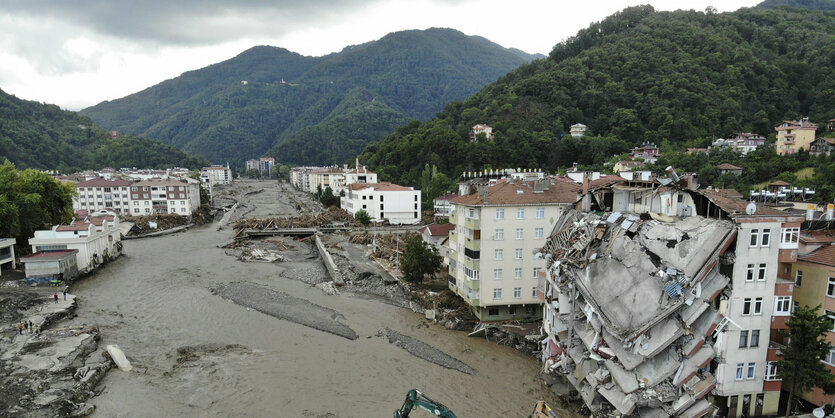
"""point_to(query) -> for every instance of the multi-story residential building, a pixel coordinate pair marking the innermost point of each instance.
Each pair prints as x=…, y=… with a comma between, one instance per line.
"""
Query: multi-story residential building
x=752, y=302
x=309, y=179
x=97, y=194
x=498, y=229
x=648, y=152
x=480, y=129
x=251, y=165
x=383, y=202
x=97, y=239
x=793, y=136
x=743, y=142
x=578, y=130
x=264, y=165
x=321, y=179
x=217, y=174
x=7, y=253
x=442, y=204
x=822, y=146
x=165, y=196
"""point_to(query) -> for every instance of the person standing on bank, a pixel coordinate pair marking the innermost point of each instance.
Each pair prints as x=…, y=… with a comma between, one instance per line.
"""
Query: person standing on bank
x=55, y=296
x=65, y=293
x=20, y=328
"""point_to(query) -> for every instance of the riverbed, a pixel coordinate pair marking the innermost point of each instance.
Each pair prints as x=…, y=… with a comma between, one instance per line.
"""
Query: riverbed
x=196, y=353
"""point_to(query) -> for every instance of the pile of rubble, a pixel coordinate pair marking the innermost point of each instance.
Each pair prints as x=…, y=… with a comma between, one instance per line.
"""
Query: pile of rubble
x=264, y=251
x=143, y=224
x=629, y=312
x=330, y=216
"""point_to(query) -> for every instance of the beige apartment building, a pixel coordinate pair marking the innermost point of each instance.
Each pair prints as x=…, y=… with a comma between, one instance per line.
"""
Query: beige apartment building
x=493, y=264
x=794, y=135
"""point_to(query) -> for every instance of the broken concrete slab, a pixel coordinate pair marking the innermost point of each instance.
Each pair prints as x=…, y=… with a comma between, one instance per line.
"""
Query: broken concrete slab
x=700, y=408
x=626, y=381
x=658, y=337
x=653, y=371
x=690, y=365
x=624, y=403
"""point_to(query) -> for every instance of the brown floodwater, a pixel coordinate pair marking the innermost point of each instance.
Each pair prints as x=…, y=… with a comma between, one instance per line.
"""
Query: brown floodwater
x=196, y=354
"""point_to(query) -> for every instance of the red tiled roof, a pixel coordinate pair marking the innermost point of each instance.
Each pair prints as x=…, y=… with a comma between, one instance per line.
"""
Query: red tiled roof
x=48, y=255
x=817, y=237
x=726, y=166
x=100, y=182
x=160, y=182
x=732, y=193
x=78, y=226
x=824, y=255
x=391, y=188
x=447, y=197
x=829, y=140
x=437, y=230
x=606, y=181
x=779, y=183
x=505, y=192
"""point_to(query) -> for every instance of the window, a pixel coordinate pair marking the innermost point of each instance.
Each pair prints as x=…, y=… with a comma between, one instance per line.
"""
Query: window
x=517, y=273
x=761, y=272
x=499, y=213
x=782, y=305
x=415, y=196
x=493, y=311
x=790, y=236
x=766, y=238
x=743, y=339
x=539, y=233
x=517, y=292
x=511, y=310
x=755, y=338
x=540, y=213
x=751, y=368
x=755, y=234
x=798, y=278
x=183, y=210
x=497, y=274
x=831, y=316
x=381, y=198
x=499, y=253
x=750, y=276
x=533, y=292
x=519, y=233
x=520, y=213
x=381, y=206
x=536, y=272
x=497, y=293
x=740, y=369
x=830, y=287
x=746, y=306
x=830, y=357
x=758, y=306
x=518, y=253
x=771, y=371
x=499, y=236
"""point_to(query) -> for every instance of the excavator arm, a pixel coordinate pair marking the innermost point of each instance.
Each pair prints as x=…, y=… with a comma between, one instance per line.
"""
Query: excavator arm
x=417, y=399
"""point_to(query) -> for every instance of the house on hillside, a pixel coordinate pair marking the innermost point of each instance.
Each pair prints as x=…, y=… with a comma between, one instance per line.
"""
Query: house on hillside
x=481, y=128
x=442, y=205
x=794, y=135
x=647, y=151
x=626, y=165
x=578, y=130
x=822, y=146
x=726, y=168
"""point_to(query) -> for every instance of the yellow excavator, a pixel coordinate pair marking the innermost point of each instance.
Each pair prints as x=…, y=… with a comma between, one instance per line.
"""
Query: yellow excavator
x=416, y=399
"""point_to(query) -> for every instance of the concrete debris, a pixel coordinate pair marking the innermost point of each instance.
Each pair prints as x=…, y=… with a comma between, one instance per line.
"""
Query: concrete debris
x=287, y=307
x=328, y=288
x=629, y=307
x=425, y=351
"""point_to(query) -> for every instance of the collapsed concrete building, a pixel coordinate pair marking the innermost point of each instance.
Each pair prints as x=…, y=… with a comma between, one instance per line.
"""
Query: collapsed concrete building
x=632, y=309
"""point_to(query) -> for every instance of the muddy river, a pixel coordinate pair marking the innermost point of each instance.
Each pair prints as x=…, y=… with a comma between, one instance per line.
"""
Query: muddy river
x=197, y=354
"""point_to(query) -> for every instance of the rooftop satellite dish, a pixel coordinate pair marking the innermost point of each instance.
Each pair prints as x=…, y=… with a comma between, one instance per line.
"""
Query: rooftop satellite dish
x=818, y=412
x=751, y=208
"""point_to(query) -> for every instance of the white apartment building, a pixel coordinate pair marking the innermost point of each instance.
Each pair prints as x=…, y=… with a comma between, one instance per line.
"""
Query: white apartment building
x=384, y=202
x=7, y=257
x=217, y=174
x=165, y=196
x=97, y=239
x=442, y=204
x=498, y=230
x=309, y=179
x=101, y=194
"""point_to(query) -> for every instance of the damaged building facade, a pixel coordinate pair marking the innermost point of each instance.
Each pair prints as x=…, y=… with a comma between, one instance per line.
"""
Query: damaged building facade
x=670, y=310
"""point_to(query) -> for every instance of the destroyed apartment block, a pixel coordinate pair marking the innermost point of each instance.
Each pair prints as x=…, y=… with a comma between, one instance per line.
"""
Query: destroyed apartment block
x=630, y=309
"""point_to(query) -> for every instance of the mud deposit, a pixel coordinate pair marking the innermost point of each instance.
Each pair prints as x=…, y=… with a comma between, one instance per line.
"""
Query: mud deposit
x=425, y=351
x=283, y=306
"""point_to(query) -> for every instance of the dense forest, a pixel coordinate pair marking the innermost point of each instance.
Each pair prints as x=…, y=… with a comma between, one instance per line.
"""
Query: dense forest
x=678, y=78
x=42, y=136
x=310, y=110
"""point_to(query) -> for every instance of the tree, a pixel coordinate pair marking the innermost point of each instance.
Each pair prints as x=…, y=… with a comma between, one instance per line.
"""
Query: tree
x=800, y=366
x=363, y=217
x=327, y=198
x=419, y=259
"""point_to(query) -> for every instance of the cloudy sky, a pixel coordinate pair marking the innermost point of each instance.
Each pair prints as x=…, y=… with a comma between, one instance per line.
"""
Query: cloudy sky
x=78, y=53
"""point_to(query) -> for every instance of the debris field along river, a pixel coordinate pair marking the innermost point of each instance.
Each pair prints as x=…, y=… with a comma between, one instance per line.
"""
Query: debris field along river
x=196, y=353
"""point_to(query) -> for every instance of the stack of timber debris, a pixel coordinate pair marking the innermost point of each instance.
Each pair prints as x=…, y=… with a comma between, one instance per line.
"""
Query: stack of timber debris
x=328, y=217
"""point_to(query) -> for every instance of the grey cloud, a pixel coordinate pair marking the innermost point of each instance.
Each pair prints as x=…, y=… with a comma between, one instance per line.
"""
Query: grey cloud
x=186, y=22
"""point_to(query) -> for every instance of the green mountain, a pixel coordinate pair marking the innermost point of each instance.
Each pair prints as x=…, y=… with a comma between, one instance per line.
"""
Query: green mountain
x=675, y=78
x=308, y=110
x=42, y=136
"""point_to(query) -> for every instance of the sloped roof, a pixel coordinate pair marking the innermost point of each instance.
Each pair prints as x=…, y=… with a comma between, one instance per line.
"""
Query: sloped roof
x=48, y=255
x=824, y=255
x=77, y=226
x=726, y=166
x=101, y=182
x=735, y=206
x=438, y=230
x=779, y=183
x=447, y=197
x=160, y=182
x=506, y=192
x=817, y=237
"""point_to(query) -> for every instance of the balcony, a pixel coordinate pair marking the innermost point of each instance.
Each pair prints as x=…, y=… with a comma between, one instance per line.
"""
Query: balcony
x=472, y=284
x=472, y=264
x=472, y=244
x=472, y=223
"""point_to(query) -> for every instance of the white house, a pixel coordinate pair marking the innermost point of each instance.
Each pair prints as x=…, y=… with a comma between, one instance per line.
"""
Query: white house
x=384, y=201
x=217, y=174
x=578, y=130
x=442, y=204
x=101, y=194
x=96, y=238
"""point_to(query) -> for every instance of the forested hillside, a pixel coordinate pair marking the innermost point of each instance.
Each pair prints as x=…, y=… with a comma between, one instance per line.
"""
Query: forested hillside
x=675, y=78
x=36, y=135
x=310, y=110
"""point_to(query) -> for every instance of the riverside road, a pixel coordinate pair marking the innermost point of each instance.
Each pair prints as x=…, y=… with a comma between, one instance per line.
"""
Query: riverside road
x=196, y=353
